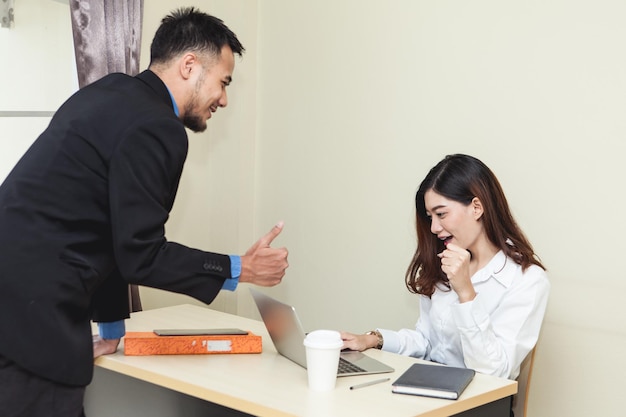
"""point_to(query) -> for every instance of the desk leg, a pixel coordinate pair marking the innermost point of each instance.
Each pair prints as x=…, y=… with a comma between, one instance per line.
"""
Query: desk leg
x=112, y=395
x=499, y=408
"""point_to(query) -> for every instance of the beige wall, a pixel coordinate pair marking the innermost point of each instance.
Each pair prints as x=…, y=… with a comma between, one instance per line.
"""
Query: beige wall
x=338, y=110
x=37, y=73
x=358, y=99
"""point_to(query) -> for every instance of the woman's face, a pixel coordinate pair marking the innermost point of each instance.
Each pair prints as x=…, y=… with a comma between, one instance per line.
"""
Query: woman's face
x=454, y=222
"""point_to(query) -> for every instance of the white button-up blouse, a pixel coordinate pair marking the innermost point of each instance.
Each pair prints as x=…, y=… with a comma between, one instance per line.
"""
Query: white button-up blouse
x=491, y=334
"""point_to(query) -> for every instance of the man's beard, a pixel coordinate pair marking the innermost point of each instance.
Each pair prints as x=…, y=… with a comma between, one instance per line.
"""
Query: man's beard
x=191, y=120
x=194, y=122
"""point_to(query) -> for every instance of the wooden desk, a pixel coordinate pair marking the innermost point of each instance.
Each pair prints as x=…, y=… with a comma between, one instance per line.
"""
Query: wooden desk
x=265, y=384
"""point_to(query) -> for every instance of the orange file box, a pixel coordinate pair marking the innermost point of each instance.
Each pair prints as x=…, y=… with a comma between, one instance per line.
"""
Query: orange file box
x=149, y=343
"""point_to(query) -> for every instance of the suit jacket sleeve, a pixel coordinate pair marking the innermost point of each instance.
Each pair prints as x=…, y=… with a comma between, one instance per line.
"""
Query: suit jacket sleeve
x=110, y=301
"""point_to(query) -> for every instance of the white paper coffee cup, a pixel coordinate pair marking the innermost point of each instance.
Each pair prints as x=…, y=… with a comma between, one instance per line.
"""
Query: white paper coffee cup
x=322, y=358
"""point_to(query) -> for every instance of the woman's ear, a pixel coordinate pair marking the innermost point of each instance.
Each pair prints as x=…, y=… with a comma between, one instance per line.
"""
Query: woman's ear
x=477, y=207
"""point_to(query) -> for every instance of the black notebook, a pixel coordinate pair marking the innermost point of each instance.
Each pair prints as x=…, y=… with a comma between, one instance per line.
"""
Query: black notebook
x=433, y=381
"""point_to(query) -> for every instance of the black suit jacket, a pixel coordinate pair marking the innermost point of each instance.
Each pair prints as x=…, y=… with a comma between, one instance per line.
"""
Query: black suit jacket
x=82, y=215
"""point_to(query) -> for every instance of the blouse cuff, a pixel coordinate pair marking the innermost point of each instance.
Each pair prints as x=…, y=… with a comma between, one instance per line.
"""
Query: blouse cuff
x=391, y=341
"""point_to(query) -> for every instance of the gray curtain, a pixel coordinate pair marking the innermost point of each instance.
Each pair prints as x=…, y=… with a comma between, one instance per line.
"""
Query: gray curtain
x=6, y=13
x=107, y=38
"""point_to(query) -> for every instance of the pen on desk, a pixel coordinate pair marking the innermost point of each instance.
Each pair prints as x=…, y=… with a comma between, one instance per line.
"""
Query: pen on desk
x=367, y=384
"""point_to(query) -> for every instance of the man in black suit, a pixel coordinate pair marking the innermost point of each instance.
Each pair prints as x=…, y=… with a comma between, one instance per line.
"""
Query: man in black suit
x=82, y=215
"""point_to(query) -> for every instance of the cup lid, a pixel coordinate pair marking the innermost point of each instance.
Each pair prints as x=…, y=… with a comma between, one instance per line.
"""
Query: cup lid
x=323, y=339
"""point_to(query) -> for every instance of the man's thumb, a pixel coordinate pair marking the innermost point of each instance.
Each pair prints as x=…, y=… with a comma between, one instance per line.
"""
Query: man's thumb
x=275, y=231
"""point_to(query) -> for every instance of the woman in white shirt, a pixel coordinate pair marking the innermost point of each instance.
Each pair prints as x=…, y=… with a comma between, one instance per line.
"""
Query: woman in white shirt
x=483, y=292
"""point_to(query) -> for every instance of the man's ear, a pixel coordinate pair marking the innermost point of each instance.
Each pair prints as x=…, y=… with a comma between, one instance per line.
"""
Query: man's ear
x=186, y=65
x=477, y=207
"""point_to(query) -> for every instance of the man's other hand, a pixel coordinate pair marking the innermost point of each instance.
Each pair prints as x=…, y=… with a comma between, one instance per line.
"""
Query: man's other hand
x=104, y=346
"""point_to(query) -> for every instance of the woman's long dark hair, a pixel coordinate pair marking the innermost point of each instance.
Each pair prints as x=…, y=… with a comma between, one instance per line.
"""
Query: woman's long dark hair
x=461, y=178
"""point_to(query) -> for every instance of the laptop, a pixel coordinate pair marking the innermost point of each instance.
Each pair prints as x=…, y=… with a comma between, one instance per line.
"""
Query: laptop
x=286, y=332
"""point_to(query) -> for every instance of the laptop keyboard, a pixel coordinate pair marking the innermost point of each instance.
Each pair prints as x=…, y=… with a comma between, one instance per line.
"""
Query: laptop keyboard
x=346, y=367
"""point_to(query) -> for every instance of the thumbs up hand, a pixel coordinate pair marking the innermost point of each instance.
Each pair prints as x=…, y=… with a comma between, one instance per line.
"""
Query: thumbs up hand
x=263, y=265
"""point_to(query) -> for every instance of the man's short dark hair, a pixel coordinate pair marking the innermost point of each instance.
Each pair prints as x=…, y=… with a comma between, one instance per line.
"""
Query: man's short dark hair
x=187, y=29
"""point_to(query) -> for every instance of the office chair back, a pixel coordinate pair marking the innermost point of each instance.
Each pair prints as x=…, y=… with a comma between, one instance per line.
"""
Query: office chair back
x=520, y=400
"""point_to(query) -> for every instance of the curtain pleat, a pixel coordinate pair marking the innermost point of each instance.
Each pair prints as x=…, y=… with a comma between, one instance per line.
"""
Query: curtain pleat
x=107, y=38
